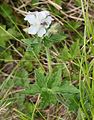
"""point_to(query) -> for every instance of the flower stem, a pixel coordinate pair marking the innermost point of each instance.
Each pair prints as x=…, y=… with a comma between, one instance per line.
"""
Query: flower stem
x=49, y=60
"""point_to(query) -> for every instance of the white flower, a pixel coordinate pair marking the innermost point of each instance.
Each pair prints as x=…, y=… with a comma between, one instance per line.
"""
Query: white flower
x=39, y=22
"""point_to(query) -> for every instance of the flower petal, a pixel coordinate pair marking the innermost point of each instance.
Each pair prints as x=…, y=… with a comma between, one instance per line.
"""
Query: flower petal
x=43, y=14
x=41, y=32
x=33, y=29
x=48, y=20
x=30, y=18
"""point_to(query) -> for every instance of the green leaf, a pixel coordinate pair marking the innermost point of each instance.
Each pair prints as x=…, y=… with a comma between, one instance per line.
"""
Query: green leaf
x=34, y=89
x=58, y=1
x=47, y=99
x=58, y=37
x=4, y=37
x=35, y=1
x=6, y=55
x=28, y=65
x=31, y=41
x=21, y=78
x=71, y=101
x=65, y=55
x=78, y=3
x=7, y=11
x=74, y=50
x=41, y=79
x=7, y=8
x=54, y=38
x=68, y=88
x=2, y=49
x=13, y=32
x=19, y=98
x=73, y=25
x=29, y=107
x=55, y=79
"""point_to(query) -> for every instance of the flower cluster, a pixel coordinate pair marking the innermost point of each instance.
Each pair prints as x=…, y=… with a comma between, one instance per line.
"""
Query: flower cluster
x=39, y=22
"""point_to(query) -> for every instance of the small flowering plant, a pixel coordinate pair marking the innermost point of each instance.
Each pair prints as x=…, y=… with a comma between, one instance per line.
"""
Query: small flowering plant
x=39, y=22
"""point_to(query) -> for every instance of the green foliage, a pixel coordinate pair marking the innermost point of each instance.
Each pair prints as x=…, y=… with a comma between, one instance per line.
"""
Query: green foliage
x=35, y=1
x=33, y=48
x=71, y=101
x=68, y=88
x=49, y=87
x=74, y=50
x=33, y=45
x=73, y=25
x=7, y=14
x=6, y=55
x=58, y=1
x=3, y=36
x=65, y=55
x=71, y=53
x=78, y=2
x=54, y=38
x=21, y=78
x=6, y=35
x=6, y=8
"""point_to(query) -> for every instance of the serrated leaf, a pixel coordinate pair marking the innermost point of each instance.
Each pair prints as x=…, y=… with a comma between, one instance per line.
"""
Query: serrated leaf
x=34, y=89
x=40, y=79
x=74, y=49
x=21, y=78
x=58, y=37
x=68, y=88
x=55, y=79
x=29, y=42
x=47, y=99
x=54, y=38
x=73, y=25
x=65, y=55
x=71, y=101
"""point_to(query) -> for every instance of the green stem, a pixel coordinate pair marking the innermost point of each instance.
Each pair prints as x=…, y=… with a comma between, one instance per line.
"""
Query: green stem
x=81, y=94
x=49, y=60
x=32, y=118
